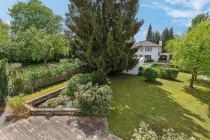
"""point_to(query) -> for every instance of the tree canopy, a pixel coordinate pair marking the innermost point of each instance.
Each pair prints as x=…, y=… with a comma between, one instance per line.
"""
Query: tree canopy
x=34, y=14
x=104, y=33
x=4, y=31
x=192, y=51
x=198, y=19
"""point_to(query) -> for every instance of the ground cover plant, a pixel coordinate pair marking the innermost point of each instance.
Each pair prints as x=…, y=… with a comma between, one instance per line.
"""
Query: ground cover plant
x=162, y=104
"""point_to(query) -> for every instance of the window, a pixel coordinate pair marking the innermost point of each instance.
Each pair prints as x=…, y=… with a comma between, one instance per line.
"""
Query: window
x=147, y=57
x=141, y=49
x=148, y=49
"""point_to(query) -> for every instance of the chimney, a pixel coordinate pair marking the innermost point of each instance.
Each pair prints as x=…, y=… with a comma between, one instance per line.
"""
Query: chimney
x=161, y=43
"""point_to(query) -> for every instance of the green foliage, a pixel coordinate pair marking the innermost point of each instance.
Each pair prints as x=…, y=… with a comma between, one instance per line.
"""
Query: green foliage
x=149, y=60
x=74, y=81
x=192, y=51
x=166, y=36
x=4, y=31
x=43, y=45
x=3, y=81
x=208, y=113
x=99, y=77
x=17, y=104
x=34, y=14
x=168, y=73
x=93, y=99
x=55, y=102
x=198, y=19
x=144, y=133
x=141, y=69
x=104, y=33
x=150, y=74
x=157, y=37
x=149, y=34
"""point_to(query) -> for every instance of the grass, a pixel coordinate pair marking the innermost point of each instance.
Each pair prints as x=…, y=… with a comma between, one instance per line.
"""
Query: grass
x=163, y=104
x=41, y=92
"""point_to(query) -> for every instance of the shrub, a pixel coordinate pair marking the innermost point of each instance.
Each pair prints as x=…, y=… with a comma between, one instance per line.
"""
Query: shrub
x=208, y=113
x=144, y=133
x=17, y=86
x=141, y=69
x=74, y=81
x=150, y=74
x=16, y=103
x=55, y=102
x=162, y=65
x=99, y=77
x=149, y=60
x=93, y=99
x=3, y=81
x=168, y=73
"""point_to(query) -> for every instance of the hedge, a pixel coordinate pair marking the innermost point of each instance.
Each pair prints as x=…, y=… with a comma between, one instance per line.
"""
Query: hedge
x=168, y=73
x=150, y=74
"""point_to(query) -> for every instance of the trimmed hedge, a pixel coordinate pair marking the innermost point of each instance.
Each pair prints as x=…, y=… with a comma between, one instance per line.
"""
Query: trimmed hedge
x=150, y=74
x=141, y=69
x=168, y=73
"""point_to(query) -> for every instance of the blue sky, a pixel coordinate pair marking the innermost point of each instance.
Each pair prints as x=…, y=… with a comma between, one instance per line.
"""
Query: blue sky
x=160, y=13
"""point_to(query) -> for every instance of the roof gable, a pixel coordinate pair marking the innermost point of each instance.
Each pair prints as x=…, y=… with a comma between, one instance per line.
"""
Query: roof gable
x=145, y=44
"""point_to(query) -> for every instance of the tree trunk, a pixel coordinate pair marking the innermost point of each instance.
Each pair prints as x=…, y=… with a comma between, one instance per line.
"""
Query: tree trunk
x=192, y=81
x=196, y=76
x=45, y=63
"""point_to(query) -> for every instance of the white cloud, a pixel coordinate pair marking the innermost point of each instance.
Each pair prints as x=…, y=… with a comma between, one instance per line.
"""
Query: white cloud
x=182, y=22
x=196, y=5
x=8, y=22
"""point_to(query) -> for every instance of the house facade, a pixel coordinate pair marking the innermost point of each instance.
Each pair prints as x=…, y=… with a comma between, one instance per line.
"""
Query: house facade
x=148, y=50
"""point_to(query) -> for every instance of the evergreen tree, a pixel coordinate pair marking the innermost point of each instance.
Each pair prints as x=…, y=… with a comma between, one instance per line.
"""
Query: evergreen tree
x=149, y=34
x=157, y=37
x=3, y=81
x=103, y=33
x=171, y=33
x=165, y=38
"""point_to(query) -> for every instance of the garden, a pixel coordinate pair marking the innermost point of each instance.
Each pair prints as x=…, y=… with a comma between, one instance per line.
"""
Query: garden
x=44, y=68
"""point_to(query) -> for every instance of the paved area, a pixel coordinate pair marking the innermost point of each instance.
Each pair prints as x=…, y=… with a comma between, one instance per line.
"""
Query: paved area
x=58, y=128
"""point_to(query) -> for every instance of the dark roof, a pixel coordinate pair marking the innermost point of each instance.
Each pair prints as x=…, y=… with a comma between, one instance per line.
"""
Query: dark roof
x=145, y=44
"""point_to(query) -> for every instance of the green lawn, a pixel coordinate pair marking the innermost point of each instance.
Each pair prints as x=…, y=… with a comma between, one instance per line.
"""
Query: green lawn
x=164, y=104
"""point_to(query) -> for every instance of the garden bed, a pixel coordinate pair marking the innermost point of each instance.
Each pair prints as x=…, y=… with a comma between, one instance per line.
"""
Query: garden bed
x=36, y=106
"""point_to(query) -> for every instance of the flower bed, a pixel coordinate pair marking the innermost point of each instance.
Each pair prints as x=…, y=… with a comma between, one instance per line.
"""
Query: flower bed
x=28, y=80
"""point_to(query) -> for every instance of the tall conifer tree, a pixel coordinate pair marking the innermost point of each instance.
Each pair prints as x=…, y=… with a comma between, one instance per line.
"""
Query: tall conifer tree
x=103, y=33
x=165, y=38
x=149, y=34
x=3, y=81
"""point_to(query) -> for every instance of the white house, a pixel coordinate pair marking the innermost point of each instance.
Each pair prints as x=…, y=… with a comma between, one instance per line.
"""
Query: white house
x=149, y=50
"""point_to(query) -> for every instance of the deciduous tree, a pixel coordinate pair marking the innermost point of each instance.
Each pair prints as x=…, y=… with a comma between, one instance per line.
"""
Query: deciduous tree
x=34, y=14
x=192, y=51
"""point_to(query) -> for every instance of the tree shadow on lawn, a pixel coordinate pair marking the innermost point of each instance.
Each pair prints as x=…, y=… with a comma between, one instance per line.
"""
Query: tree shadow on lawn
x=200, y=94
x=135, y=100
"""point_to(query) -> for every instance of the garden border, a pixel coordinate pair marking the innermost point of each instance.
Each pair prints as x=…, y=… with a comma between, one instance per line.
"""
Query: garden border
x=34, y=111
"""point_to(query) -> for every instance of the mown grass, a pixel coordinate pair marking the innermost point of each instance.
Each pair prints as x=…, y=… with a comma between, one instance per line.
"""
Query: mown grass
x=163, y=104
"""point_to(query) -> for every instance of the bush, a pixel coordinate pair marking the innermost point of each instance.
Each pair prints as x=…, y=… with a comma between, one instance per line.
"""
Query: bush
x=74, y=81
x=168, y=73
x=208, y=113
x=3, y=81
x=149, y=60
x=144, y=133
x=16, y=103
x=162, y=65
x=99, y=77
x=55, y=102
x=150, y=74
x=93, y=99
x=141, y=69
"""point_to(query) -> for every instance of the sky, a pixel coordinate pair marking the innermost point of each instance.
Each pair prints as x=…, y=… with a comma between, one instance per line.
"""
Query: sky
x=159, y=13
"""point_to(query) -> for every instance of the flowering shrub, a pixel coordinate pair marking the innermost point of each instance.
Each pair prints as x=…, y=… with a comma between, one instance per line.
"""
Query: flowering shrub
x=91, y=98
x=144, y=133
x=74, y=81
